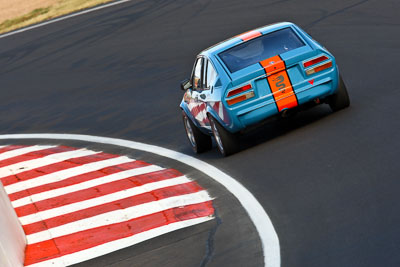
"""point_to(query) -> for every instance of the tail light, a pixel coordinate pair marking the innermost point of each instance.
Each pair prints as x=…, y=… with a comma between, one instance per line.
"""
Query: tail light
x=314, y=61
x=319, y=68
x=312, y=66
x=241, y=97
x=239, y=90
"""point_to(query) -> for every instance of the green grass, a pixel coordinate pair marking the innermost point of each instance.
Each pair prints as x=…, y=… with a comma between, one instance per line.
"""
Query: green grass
x=60, y=8
x=18, y=20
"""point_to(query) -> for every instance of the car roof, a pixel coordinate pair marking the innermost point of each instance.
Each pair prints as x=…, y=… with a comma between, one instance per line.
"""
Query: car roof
x=219, y=47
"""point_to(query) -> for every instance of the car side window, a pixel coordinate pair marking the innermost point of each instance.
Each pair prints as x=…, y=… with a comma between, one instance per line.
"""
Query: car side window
x=196, y=81
x=205, y=65
x=211, y=75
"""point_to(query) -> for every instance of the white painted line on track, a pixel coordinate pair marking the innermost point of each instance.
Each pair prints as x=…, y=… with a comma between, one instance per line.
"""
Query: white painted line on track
x=51, y=213
x=65, y=174
x=84, y=185
x=119, y=216
x=64, y=18
x=40, y=162
x=109, y=247
x=21, y=151
x=269, y=238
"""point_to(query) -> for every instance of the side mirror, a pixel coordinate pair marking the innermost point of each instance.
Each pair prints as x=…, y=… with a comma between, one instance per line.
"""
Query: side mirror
x=185, y=84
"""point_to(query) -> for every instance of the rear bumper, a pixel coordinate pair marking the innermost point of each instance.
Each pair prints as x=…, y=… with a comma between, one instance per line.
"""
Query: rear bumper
x=262, y=110
x=322, y=90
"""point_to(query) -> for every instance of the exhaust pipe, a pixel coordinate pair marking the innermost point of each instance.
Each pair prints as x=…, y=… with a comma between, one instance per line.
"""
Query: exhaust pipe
x=285, y=113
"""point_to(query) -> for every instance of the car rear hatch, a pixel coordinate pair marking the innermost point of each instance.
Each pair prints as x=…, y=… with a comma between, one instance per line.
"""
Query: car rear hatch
x=270, y=69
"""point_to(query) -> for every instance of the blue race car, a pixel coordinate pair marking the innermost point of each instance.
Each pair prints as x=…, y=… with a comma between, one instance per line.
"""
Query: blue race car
x=240, y=82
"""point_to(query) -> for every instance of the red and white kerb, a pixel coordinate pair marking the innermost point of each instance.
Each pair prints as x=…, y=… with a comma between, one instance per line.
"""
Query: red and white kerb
x=77, y=204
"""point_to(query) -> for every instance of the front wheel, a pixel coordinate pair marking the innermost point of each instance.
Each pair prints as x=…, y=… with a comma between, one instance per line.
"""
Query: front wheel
x=199, y=141
x=340, y=99
x=227, y=142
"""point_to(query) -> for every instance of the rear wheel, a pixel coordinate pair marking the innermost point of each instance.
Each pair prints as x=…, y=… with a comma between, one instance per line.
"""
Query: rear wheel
x=199, y=141
x=227, y=142
x=340, y=99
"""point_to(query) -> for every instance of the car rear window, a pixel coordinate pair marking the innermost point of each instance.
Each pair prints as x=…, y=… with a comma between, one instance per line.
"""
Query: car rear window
x=260, y=48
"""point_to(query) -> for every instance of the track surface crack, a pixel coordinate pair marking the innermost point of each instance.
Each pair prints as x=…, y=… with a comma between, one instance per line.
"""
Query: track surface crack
x=315, y=22
x=210, y=240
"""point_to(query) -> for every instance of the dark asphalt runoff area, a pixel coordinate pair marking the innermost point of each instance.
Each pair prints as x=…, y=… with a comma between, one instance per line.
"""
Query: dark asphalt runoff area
x=329, y=181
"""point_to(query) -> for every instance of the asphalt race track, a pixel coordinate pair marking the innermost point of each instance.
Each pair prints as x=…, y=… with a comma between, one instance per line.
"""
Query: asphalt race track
x=329, y=181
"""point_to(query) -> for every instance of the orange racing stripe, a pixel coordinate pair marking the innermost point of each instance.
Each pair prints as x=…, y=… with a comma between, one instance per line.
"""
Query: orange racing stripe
x=249, y=35
x=279, y=82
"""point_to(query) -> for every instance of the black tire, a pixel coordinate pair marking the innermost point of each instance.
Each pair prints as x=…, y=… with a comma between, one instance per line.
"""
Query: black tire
x=199, y=141
x=227, y=142
x=340, y=99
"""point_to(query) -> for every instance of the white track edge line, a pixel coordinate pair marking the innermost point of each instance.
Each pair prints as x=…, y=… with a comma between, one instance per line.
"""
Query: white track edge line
x=63, y=18
x=262, y=222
